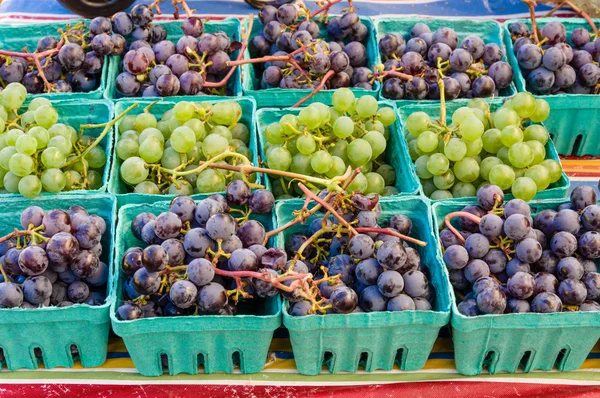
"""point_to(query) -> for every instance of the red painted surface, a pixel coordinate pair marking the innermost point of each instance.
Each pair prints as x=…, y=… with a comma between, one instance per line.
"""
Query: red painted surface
x=413, y=390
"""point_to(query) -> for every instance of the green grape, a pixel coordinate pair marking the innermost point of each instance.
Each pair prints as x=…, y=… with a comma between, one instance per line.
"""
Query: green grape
x=291, y=146
x=487, y=164
x=197, y=127
x=3, y=143
x=342, y=99
x=478, y=103
x=11, y=182
x=53, y=158
x=3, y=115
x=212, y=145
x=338, y=167
x=226, y=113
x=386, y=115
x=428, y=186
x=2, y=175
x=144, y=121
x=274, y=134
x=151, y=150
x=30, y=186
x=5, y=156
x=444, y=181
x=306, y=144
x=12, y=136
x=503, y=155
x=339, y=150
x=540, y=175
x=22, y=165
x=502, y=175
x=147, y=187
x=375, y=184
x=511, y=135
x=467, y=170
x=195, y=154
x=53, y=180
x=41, y=135
x=237, y=146
x=333, y=115
x=377, y=142
x=477, y=158
x=12, y=98
x=202, y=108
x=463, y=190
x=96, y=157
x=163, y=127
x=59, y=129
x=553, y=167
x=427, y=141
x=375, y=125
x=520, y=155
x=491, y=140
x=301, y=164
x=73, y=180
x=505, y=117
x=461, y=114
x=343, y=127
x=437, y=164
x=310, y=117
x=181, y=188
x=130, y=135
x=26, y=144
x=173, y=124
x=387, y=134
x=359, y=150
x=127, y=123
x=366, y=168
x=471, y=129
x=94, y=179
x=542, y=110
x=417, y=122
x=323, y=112
x=479, y=114
x=321, y=161
x=536, y=132
x=538, y=150
x=474, y=147
x=414, y=151
x=151, y=132
x=210, y=180
x=241, y=132
x=388, y=174
x=183, y=111
x=390, y=191
x=134, y=170
x=289, y=124
x=46, y=116
x=61, y=143
x=366, y=106
x=279, y=159
x=86, y=140
x=524, y=104
x=127, y=148
x=441, y=195
x=519, y=172
x=421, y=167
x=359, y=184
x=191, y=178
x=168, y=114
x=38, y=102
x=455, y=149
x=524, y=188
x=223, y=132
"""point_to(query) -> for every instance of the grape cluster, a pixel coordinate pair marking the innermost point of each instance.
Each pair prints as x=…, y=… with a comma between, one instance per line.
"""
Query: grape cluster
x=154, y=66
x=505, y=148
x=471, y=69
x=57, y=263
x=39, y=154
x=342, y=52
x=373, y=271
x=324, y=141
x=185, y=135
x=517, y=263
x=177, y=273
x=554, y=66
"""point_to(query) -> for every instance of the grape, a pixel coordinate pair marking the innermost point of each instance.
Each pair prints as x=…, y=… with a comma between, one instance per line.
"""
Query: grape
x=134, y=170
x=502, y=175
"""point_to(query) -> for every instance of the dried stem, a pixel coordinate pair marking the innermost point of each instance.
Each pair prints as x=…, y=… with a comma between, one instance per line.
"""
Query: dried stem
x=464, y=214
x=582, y=14
x=326, y=7
x=327, y=206
x=384, y=73
x=442, y=102
x=316, y=90
x=531, y=5
x=388, y=231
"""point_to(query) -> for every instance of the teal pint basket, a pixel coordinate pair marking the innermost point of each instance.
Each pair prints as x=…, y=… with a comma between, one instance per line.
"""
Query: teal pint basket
x=119, y=188
x=375, y=340
x=16, y=37
x=281, y=98
x=573, y=121
x=558, y=189
x=530, y=341
x=54, y=330
x=407, y=181
x=76, y=113
x=231, y=26
x=488, y=30
x=216, y=342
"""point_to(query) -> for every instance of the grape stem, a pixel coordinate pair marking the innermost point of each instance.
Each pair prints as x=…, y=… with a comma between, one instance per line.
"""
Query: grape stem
x=388, y=231
x=316, y=90
x=442, y=102
x=450, y=216
x=578, y=10
x=107, y=127
x=325, y=8
x=327, y=206
x=384, y=73
x=531, y=5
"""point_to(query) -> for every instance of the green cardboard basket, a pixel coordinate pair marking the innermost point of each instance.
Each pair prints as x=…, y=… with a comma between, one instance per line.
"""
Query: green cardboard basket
x=558, y=189
x=375, y=340
x=216, y=342
x=119, y=188
x=531, y=341
x=407, y=181
x=54, y=330
x=573, y=122
x=231, y=26
x=489, y=30
x=280, y=98
x=16, y=37
x=75, y=112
